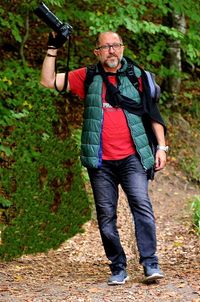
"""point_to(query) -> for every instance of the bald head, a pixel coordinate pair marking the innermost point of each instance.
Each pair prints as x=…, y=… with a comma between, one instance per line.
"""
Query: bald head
x=101, y=36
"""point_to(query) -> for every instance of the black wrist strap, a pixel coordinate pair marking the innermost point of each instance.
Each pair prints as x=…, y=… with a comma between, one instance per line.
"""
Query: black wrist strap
x=66, y=70
x=49, y=55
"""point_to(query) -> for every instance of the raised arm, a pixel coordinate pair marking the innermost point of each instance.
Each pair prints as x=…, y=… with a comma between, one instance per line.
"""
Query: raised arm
x=48, y=74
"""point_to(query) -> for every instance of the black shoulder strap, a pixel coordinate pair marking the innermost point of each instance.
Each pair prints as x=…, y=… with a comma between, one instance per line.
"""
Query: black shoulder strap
x=132, y=76
x=64, y=89
x=90, y=73
x=130, y=73
x=155, y=90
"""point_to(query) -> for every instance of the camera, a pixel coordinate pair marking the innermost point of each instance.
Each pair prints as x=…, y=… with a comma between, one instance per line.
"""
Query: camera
x=44, y=13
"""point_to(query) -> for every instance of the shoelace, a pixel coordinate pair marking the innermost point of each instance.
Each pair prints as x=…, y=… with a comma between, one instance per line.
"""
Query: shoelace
x=153, y=265
x=116, y=272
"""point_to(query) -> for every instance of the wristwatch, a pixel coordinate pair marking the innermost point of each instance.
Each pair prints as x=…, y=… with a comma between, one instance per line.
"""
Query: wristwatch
x=163, y=148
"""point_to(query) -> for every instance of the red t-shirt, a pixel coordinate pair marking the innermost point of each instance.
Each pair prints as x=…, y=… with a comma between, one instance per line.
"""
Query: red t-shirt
x=116, y=139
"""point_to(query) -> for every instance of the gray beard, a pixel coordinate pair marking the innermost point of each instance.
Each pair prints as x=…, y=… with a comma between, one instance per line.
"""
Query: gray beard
x=114, y=64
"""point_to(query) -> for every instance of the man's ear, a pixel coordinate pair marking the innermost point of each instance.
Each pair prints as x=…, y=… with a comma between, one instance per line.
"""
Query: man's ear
x=96, y=52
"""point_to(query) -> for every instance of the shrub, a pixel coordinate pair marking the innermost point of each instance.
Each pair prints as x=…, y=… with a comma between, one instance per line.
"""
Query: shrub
x=42, y=191
x=196, y=212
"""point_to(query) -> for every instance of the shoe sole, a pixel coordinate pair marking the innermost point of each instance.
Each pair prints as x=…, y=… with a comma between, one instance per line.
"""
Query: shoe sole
x=154, y=277
x=118, y=282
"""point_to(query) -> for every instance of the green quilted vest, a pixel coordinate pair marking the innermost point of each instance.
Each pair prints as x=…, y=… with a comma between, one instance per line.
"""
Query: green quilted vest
x=91, y=140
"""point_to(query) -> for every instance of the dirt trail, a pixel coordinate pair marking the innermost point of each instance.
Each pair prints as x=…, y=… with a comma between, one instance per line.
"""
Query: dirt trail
x=77, y=271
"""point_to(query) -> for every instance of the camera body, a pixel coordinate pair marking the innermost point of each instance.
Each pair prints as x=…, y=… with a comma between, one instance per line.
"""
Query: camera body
x=44, y=13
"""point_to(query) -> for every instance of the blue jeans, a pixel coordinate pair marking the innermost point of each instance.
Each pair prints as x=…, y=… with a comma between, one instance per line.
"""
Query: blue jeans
x=105, y=181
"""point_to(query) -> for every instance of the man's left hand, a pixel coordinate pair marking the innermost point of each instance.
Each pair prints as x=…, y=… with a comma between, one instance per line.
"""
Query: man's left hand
x=160, y=160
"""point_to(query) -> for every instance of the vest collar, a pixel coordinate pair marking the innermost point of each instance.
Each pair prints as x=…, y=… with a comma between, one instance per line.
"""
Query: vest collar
x=123, y=66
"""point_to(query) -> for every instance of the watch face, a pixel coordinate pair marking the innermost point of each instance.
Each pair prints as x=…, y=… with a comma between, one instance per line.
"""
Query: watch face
x=163, y=148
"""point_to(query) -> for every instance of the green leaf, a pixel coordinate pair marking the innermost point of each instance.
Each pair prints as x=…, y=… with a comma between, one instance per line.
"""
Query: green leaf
x=20, y=115
x=5, y=202
x=6, y=150
x=16, y=34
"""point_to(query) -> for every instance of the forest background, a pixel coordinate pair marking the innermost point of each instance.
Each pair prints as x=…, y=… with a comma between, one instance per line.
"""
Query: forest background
x=43, y=196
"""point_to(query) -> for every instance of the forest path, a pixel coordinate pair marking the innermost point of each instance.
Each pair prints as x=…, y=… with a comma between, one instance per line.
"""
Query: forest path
x=78, y=270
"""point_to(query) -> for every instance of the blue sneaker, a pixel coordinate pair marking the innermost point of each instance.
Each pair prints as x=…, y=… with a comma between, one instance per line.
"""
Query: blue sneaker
x=118, y=277
x=152, y=272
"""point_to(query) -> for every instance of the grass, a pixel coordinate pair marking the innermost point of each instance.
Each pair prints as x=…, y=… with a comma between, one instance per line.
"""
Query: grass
x=196, y=212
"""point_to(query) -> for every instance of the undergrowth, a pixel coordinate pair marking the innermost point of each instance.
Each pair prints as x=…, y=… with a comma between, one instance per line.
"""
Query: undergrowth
x=196, y=212
x=43, y=200
x=183, y=130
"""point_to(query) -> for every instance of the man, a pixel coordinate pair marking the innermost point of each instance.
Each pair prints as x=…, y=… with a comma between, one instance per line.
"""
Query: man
x=115, y=149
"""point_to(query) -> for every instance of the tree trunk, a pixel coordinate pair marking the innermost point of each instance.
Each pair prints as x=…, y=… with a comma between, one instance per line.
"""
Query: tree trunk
x=173, y=58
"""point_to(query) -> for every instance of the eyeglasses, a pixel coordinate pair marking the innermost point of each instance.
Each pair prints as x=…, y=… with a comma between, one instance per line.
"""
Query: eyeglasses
x=115, y=46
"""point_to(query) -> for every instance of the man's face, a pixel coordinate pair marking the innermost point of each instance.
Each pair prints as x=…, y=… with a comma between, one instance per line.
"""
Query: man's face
x=110, y=51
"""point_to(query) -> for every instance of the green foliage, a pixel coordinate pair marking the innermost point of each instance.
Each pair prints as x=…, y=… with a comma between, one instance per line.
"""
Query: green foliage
x=56, y=2
x=190, y=164
x=135, y=19
x=192, y=106
x=156, y=51
x=13, y=23
x=142, y=18
x=40, y=170
x=183, y=137
x=5, y=203
x=196, y=212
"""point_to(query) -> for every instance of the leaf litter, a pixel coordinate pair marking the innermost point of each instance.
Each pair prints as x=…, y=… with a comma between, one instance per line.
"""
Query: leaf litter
x=78, y=270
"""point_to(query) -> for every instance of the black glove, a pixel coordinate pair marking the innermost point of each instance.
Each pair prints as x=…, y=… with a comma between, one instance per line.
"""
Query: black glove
x=57, y=41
